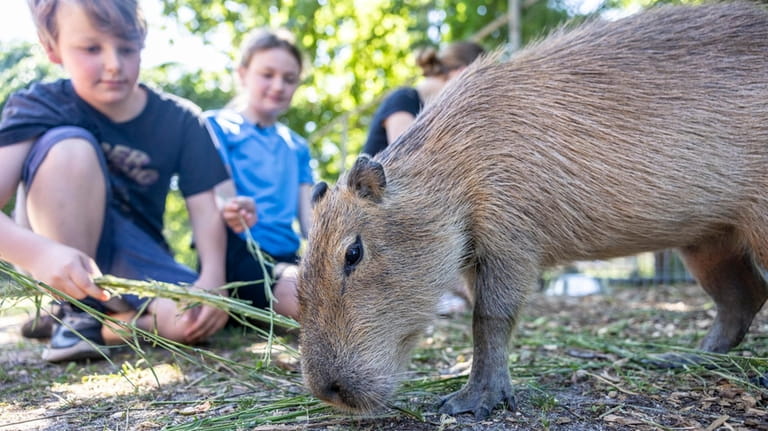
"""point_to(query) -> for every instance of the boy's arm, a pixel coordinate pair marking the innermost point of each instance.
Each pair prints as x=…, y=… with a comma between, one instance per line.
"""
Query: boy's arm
x=210, y=239
x=305, y=209
x=11, y=161
x=59, y=266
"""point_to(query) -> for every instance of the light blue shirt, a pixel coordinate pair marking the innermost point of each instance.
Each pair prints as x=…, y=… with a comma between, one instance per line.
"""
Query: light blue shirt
x=267, y=164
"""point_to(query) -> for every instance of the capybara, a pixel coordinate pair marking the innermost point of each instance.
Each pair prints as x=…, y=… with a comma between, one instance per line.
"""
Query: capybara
x=609, y=139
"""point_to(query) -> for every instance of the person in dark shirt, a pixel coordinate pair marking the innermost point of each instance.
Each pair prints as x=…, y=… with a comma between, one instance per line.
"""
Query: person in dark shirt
x=94, y=156
x=399, y=109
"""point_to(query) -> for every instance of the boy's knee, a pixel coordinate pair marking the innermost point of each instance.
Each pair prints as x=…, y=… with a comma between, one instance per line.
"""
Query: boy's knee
x=74, y=156
x=65, y=150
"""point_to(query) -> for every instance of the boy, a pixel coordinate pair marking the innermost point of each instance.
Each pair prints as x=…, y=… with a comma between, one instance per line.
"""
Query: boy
x=94, y=155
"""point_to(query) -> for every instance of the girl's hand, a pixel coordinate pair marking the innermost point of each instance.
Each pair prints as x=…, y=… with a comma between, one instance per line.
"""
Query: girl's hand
x=239, y=210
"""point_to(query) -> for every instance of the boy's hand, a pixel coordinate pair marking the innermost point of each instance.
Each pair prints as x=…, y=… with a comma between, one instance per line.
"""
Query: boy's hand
x=237, y=210
x=204, y=321
x=68, y=270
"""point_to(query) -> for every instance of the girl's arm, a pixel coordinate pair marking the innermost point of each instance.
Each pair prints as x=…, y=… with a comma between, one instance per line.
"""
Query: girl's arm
x=396, y=124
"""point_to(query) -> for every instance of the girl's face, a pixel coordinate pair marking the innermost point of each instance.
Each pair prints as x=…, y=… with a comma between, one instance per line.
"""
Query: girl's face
x=104, y=69
x=269, y=81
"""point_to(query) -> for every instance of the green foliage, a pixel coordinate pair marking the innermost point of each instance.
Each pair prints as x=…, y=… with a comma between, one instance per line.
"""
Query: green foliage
x=177, y=231
x=22, y=63
x=208, y=89
x=358, y=50
x=8, y=207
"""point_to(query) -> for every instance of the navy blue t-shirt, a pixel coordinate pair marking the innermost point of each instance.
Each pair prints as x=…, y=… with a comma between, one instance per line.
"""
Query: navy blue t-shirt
x=167, y=138
x=404, y=99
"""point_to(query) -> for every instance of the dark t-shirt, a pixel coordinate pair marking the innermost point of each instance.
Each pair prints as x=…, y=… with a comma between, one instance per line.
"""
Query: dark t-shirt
x=404, y=99
x=168, y=137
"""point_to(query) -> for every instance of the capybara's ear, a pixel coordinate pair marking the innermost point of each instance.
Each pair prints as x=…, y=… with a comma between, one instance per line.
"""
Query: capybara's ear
x=367, y=178
x=318, y=192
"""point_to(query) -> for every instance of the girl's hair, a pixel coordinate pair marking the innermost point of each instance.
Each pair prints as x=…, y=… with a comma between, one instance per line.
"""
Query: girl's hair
x=122, y=18
x=263, y=39
x=452, y=57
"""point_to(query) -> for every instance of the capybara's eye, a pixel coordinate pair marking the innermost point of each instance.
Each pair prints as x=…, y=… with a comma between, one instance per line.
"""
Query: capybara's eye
x=353, y=256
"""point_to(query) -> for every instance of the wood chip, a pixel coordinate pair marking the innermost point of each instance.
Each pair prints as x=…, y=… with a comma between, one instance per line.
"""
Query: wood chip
x=622, y=420
x=719, y=421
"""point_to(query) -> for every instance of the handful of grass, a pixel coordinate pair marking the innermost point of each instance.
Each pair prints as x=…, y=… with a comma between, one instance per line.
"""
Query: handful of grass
x=237, y=309
x=18, y=286
x=21, y=286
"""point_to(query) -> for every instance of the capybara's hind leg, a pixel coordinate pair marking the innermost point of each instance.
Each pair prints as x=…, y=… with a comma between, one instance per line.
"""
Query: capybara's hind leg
x=729, y=275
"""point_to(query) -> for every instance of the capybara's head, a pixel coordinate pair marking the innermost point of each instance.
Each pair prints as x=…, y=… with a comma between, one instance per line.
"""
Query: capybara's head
x=361, y=290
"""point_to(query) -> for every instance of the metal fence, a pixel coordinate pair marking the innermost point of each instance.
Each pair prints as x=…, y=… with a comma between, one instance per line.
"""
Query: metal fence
x=646, y=269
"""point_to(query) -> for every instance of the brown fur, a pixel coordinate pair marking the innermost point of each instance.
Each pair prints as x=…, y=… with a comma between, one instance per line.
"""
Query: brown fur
x=606, y=140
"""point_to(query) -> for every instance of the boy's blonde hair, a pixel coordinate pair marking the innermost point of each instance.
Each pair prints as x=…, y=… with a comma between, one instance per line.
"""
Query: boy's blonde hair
x=122, y=18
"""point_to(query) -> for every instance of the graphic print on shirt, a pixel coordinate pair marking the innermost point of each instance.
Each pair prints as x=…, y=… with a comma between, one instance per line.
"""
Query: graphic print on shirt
x=131, y=162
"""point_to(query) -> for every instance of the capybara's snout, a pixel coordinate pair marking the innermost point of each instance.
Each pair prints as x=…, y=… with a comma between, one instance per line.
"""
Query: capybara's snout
x=354, y=390
x=346, y=395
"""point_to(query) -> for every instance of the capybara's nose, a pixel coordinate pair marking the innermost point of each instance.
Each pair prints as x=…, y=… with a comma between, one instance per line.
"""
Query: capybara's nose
x=331, y=393
x=337, y=393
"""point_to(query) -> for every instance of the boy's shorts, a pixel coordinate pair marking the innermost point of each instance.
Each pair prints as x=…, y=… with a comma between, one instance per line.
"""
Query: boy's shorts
x=124, y=249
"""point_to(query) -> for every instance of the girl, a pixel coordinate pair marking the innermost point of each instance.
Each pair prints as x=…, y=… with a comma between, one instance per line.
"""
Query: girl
x=270, y=167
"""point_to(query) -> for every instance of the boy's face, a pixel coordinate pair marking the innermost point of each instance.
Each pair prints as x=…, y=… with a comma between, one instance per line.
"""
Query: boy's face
x=269, y=81
x=103, y=68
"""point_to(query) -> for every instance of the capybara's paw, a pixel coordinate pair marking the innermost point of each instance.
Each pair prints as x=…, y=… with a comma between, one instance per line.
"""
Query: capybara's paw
x=479, y=403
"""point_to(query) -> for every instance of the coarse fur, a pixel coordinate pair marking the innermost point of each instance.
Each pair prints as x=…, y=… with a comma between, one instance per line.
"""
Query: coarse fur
x=605, y=140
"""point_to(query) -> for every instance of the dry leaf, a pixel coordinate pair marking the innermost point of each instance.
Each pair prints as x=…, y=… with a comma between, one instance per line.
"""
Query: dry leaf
x=200, y=408
x=611, y=378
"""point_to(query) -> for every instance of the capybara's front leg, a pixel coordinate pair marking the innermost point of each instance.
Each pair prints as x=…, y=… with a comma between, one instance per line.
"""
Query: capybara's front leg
x=493, y=319
x=729, y=275
x=489, y=381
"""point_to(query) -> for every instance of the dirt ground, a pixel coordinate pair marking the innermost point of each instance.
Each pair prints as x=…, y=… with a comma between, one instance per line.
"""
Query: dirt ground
x=577, y=363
